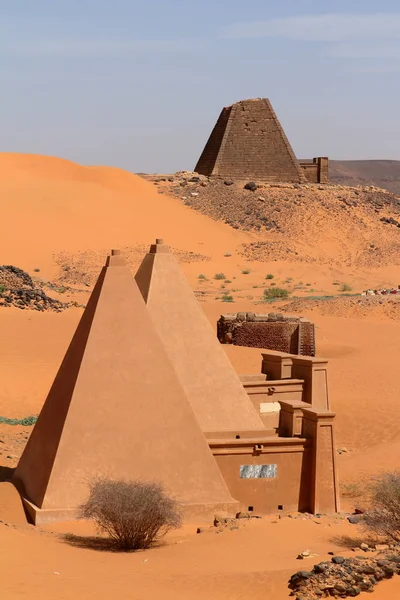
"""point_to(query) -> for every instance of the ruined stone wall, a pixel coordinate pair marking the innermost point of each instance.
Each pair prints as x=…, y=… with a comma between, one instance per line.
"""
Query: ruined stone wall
x=293, y=335
x=253, y=146
x=317, y=170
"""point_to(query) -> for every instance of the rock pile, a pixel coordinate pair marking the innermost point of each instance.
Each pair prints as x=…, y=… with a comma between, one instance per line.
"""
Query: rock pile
x=293, y=222
x=17, y=289
x=381, y=292
x=345, y=577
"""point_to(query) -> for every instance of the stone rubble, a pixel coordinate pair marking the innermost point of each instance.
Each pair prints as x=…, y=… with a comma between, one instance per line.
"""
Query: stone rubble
x=346, y=577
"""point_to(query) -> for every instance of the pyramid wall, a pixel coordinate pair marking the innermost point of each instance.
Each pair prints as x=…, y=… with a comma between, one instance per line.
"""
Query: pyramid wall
x=248, y=142
x=212, y=386
x=117, y=409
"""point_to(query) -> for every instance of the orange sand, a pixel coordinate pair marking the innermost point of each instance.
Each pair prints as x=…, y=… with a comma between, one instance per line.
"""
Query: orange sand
x=49, y=206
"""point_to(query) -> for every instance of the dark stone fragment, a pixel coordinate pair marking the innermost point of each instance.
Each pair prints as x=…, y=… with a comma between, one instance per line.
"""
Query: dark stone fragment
x=338, y=560
x=251, y=185
x=353, y=520
x=228, y=182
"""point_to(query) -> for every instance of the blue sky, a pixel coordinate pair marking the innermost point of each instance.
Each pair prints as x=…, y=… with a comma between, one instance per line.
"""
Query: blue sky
x=139, y=84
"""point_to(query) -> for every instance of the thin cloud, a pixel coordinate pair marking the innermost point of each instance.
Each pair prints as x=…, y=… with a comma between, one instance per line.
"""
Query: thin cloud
x=339, y=27
x=93, y=48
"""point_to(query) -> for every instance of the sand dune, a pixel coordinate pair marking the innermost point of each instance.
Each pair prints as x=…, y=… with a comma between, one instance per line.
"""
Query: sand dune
x=53, y=210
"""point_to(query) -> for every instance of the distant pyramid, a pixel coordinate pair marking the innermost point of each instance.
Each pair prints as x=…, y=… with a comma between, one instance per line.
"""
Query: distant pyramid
x=213, y=388
x=248, y=142
x=116, y=408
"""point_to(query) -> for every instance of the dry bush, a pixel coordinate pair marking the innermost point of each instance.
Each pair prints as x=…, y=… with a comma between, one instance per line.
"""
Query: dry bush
x=132, y=513
x=383, y=518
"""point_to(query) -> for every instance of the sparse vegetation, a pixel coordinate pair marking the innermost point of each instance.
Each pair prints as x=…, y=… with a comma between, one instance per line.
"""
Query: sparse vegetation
x=219, y=276
x=353, y=489
x=202, y=277
x=272, y=294
x=132, y=513
x=227, y=254
x=36, y=270
x=2, y=288
x=345, y=287
x=228, y=281
x=227, y=298
x=384, y=516
x=269, y=276
x=245, y=272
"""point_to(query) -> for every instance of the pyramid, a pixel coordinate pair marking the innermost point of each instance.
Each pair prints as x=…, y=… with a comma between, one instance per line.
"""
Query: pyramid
x=248, y=142
x=213, y=388
x=116, y=409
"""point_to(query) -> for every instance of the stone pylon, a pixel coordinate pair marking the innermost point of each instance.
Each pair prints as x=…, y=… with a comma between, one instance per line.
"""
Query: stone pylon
x=214, y=390
x=117, y=409
x=248, y=142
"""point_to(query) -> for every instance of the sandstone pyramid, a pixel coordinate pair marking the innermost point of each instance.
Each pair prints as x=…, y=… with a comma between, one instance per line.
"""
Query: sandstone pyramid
x=213, y=388
x=248, y=142
x=116, y=408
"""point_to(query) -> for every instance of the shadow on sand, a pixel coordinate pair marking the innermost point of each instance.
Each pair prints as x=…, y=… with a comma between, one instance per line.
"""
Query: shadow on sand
x=101, y=544
x=349, y=542
x=6, y=473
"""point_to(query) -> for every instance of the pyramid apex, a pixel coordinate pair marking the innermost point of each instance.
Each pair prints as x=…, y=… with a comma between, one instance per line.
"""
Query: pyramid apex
x=115, y=259
x=159, y=247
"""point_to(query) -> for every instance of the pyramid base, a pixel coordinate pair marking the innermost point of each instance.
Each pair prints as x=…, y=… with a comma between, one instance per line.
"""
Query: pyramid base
x=191, y=512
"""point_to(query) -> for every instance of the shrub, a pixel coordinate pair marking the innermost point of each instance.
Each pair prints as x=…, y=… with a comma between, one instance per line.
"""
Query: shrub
x=271, y=293
x=219, y=276
x=227, y=254
x=345, y=288
x=245, y=272
x=2, y=288
x=227, y=298
x=384, y=516
x=36, y=270
x=202, y=277
x=269, y=276
x=132, y=513
x=228, y=281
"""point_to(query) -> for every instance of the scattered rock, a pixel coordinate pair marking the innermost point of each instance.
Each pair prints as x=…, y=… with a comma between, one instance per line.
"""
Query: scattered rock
x=354, y=519
x=228, y=182
x=243, y=515
x=251, y=185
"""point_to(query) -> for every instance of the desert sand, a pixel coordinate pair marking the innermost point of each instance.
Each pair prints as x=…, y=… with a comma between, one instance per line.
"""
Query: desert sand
x=56, y=214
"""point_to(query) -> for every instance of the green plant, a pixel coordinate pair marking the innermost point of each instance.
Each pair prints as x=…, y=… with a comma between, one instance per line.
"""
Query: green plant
x=269, y=276
x=2, y=288
x=245, y=272
x=219, y=276
x=132, y=513
x=270, y=294
x=36, y=270
x=228, y=281
x=227, y=298
x=345, y=287
x=202, y=277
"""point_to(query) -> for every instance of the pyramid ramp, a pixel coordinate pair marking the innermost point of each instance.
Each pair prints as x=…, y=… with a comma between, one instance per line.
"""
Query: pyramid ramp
x=248, y=142
x=212, y=386
x=116, y=409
